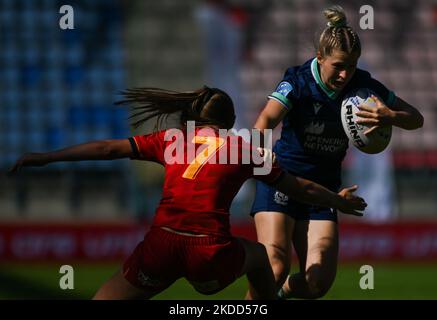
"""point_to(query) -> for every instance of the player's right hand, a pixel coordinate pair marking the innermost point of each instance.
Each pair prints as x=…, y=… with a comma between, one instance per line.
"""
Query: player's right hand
x=351, y=203
x=268, y=155
x=29, y=160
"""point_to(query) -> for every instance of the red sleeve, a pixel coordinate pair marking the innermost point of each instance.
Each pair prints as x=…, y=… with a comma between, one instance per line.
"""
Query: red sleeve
x=149, y=147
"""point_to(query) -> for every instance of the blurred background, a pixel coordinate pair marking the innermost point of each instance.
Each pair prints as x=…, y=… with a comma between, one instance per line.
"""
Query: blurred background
x=57, y=88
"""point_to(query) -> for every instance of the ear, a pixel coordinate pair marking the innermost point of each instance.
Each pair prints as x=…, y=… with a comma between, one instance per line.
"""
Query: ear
x=319, y=57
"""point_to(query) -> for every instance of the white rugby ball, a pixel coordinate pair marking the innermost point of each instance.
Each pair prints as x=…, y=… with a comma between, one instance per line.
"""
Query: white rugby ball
x=377, y=140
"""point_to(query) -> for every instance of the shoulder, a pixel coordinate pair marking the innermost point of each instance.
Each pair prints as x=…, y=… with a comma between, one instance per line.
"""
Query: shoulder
x=158, y=140
x=154, y=134
x=149, y=136
x=362, y=75
x=296, y=72
x=364, y=79
x=294, y=79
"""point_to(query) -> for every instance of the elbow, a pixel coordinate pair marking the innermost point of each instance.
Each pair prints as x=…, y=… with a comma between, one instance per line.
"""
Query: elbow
x=420, y=121
x=414, y=123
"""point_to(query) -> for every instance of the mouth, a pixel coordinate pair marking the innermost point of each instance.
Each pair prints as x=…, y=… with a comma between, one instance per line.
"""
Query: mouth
x=339, y=84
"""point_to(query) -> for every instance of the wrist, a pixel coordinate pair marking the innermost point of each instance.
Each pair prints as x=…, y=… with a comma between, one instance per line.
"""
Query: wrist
x=392, y=117
x=337, y=201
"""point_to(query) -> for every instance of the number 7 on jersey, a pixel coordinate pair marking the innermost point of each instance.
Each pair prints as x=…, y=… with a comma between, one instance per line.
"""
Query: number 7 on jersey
x=214, y=144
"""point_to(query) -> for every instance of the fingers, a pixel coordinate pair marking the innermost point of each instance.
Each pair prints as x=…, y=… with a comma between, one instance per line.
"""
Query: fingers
x=12, y=170
x=377, y=100
x=357, y=206
x=353, y=188
x=267, y=154
x=367, y=118
x=353, y=212
x=357, y=199
x=364, y=115
x=369, y=131
x=15, y=168
x=354, y=203
x=368, y=121
x=361, y=206
x=365, y=109
x=356, y=213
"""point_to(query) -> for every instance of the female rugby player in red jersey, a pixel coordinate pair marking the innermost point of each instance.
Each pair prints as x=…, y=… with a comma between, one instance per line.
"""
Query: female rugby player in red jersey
x=190, y=235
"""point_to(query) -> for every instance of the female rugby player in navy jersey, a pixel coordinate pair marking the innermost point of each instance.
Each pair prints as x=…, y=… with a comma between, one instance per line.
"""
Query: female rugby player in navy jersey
x=313, y=145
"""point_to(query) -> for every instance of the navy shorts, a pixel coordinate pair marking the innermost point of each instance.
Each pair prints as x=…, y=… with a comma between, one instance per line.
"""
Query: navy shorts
x=267, y=198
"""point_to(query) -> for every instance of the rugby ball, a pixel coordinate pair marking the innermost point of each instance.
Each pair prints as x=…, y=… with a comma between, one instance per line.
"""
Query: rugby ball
x=377, y=140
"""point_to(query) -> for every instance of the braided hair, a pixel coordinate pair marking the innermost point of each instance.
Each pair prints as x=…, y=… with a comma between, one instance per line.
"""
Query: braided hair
x=338, y=34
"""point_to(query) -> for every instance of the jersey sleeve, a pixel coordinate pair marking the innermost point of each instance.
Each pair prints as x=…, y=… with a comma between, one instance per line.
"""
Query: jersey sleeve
x=148, y=147
x=286, y=91
x=381, y=91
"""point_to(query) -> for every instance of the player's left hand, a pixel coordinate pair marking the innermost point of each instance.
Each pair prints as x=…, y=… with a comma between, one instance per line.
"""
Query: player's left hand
x=351, y=204
x=375, y=117
x=29, y=160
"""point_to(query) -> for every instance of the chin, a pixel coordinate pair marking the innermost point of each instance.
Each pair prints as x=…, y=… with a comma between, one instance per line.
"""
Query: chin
x=335, y=88
x=338, y=87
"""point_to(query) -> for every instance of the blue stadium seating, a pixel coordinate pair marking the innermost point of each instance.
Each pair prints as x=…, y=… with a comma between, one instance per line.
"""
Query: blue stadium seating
x=59, y=84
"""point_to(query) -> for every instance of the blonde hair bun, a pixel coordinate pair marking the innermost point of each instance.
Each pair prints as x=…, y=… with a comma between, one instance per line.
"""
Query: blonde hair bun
x=336, y=17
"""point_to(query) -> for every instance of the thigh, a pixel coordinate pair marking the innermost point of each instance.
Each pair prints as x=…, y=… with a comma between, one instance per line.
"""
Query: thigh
x=151, y=266
x=118, y=288
x=316, y=244
x=275, y=231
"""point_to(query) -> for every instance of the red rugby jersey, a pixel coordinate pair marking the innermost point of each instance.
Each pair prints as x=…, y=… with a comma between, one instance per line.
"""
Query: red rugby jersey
x=197, y=194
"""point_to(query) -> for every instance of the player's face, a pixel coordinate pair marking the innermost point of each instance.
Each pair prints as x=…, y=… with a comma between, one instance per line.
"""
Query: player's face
x=337, y=69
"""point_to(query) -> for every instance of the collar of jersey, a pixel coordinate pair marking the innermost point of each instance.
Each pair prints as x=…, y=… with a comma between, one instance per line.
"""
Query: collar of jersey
x=315, y=71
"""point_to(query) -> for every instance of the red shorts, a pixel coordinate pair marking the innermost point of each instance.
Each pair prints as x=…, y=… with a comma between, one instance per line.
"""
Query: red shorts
x=209, y=263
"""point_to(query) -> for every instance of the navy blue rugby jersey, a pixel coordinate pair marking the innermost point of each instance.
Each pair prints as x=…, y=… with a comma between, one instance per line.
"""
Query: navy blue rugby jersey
x=313, y=143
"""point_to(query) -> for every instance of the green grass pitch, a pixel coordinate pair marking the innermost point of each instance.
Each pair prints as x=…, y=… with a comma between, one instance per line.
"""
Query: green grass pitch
x=391, y=281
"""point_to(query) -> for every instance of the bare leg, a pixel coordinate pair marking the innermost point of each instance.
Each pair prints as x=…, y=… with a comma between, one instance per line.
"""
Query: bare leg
x=118, y=288
x=316, y=243
x=258, y=271
x=274, y=231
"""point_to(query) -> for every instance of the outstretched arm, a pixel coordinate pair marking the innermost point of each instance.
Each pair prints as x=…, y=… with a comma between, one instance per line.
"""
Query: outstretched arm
x=312, y=193
x=96, y=150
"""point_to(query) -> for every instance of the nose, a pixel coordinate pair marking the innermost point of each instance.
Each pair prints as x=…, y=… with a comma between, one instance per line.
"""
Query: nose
x=343, y=74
